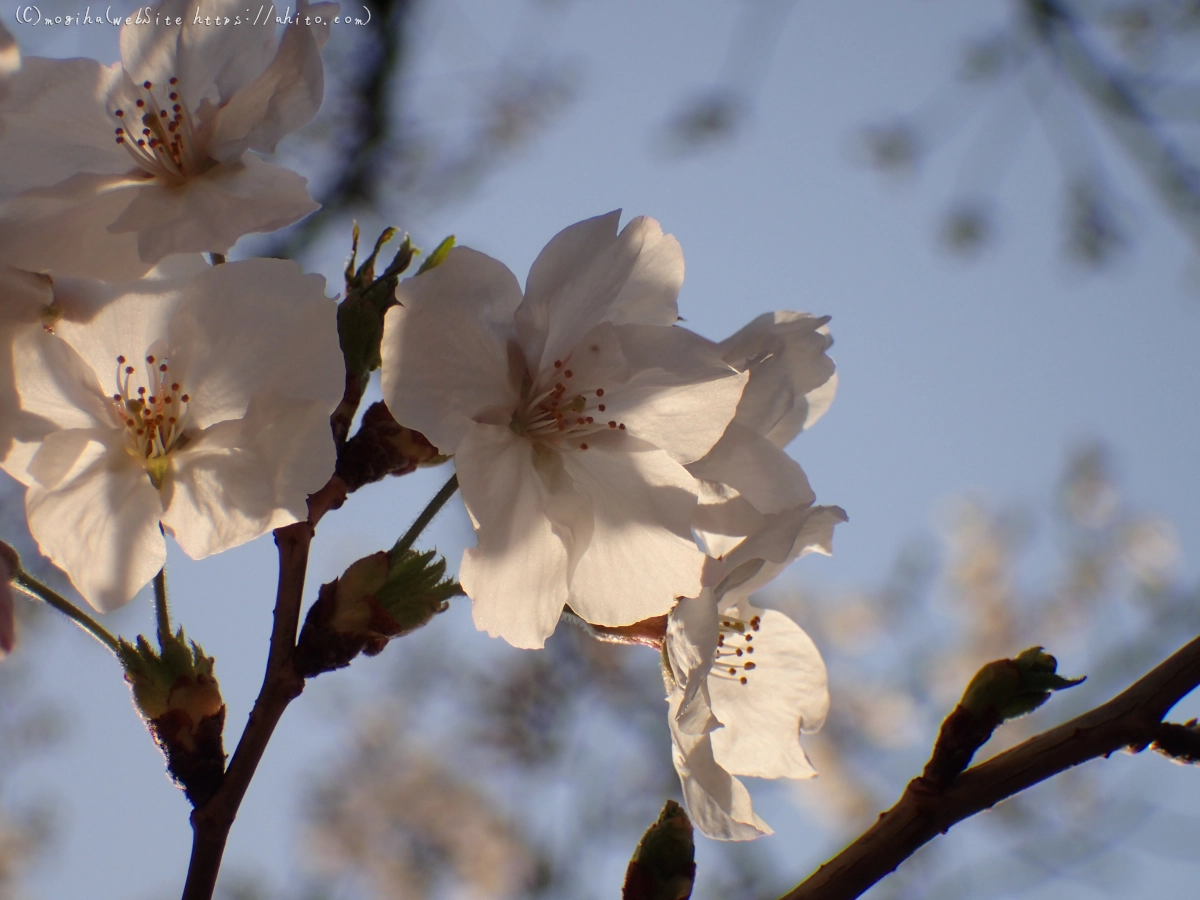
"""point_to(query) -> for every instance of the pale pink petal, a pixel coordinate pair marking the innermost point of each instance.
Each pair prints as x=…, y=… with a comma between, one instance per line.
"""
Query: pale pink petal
x=784, y=694
x=210, y=212
x=642, y=555
x=241, y=479
x=517, y=575
x=758, y=470
x=54, y=382
x=589, y=274
x=64, y=229
x=446, y=358
x=99, y=524
x=283, y=98
x=793, y=381
x=680, y=395
x=56, y=124
x=254, y=327
x=783, y=538
x=717, y=803
x=127, y=320
x=691, y=641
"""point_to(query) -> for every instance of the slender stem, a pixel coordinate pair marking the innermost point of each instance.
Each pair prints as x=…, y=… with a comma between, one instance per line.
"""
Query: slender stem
x=35, y=588
x=1131, y=719
x=161, y=613
x=426, y=516
x=281, y=685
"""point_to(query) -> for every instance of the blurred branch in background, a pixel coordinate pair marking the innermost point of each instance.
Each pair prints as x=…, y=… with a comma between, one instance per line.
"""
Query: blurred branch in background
x=395, y=133
x=1081, y=70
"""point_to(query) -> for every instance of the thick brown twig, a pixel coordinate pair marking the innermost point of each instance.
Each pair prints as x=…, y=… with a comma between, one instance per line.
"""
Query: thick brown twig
x=281, y=685
x=1131, y=719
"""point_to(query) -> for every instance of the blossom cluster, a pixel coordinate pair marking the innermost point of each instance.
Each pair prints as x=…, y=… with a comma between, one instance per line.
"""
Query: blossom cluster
x=614, y=464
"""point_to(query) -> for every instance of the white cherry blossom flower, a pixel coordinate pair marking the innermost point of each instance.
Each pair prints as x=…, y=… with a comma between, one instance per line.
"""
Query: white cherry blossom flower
x=196, y=401
x=109, y=169
x=744, y=683
x=571, y=412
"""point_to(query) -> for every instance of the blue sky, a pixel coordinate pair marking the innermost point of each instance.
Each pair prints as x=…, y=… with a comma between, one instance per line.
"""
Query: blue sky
x=956, y=377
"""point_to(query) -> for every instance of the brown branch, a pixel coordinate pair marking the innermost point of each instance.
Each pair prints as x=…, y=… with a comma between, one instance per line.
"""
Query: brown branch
x=281, y=685
x=1131, y=719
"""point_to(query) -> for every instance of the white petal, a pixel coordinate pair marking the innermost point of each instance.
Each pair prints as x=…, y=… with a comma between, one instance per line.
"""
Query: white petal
x=240, y=479
x=792, y=381
x=783, y=538
x=446, y=359
x=259, y=326
x=54, y=382
x=57, y=125
x=100, y=525
x=757, y=469
x=283, y=98
x=691, y=642
x=786, y=693
x=717, y=803
x=209, y=212
x=642, y=555
x=680, y=395
x=589, y=274
x=64, y=229
x=129, y=318
x=517, y=575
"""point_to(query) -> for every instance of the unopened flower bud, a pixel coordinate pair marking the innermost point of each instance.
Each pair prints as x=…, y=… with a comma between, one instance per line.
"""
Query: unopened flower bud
x=381, y=596
x=175, y=692
x=663, y=867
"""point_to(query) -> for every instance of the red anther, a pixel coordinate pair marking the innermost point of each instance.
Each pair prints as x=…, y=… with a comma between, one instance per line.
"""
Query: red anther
x=141, y=390
x=163, y=367
x=738, y=652
x=162, y=113
x=174, y=80
x=141, y=143
x=581, y=421
x=622, y=426
x=748, y=666
x=600, y=407
x=140, y=104
x=150, y=359
x=147, y=85
x=150, y=399
x=120, y=140
x=612, y=424
x=732, y=670
x=599, y=392
x=742, y=679
x=568, y=373
x=176, y=107
x=128, y=369
x=120, y=131
x=175, y=387
x=172, y=96
x=558, y=364
x=590, y=420
x=120, y=112
x=185, y=398
x=117, y=397
x=583, y=446
x=172, y=420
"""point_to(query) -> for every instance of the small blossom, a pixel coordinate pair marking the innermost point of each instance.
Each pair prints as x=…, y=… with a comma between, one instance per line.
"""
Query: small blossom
x=571, y=412
x=743, y=683
x=200, y=402
x=110, y=169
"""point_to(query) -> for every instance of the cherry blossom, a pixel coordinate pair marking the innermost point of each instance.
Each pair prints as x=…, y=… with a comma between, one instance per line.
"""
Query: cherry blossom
x=198, y=402
x=110, y=169
x=571, y=412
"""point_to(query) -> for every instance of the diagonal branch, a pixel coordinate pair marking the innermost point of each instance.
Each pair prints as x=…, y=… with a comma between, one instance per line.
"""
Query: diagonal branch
x=1131, y=719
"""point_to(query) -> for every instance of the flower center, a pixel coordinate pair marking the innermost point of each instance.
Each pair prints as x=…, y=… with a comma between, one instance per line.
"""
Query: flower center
x=735, y=644
x=152, y=415
x=165, y=145
x=558, y=411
